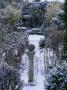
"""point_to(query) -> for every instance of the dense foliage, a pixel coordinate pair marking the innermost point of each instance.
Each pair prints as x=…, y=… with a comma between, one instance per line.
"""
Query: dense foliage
x=8, y=77
x=57, y=79
x=65, y=37
x=10, y=41
x=33, y=14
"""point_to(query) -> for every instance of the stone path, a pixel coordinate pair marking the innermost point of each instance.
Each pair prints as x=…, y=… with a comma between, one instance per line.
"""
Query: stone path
x=39, y=78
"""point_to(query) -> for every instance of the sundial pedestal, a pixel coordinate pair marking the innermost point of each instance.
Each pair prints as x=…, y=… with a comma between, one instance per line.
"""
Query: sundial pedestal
x=30, y=54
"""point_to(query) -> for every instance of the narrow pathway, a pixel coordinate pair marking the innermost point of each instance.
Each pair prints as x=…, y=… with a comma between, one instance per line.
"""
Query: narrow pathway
x=38, y=66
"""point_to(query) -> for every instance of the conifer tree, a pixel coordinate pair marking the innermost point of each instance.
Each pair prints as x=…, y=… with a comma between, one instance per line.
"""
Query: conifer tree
x=65, y=36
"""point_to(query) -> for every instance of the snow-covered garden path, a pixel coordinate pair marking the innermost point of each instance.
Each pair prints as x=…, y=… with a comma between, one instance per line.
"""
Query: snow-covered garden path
x=39, y=78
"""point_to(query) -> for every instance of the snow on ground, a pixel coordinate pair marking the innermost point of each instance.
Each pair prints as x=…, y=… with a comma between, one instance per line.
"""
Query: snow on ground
x=38, y=66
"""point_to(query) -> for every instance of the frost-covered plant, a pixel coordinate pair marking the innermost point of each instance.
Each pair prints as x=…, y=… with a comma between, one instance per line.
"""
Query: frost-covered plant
x=42, y=43
x=8, y=77
x=12, y=15
x=57, y=80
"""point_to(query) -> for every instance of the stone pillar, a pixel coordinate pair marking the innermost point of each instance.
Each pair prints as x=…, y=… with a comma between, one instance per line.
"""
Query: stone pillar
x=31, y=54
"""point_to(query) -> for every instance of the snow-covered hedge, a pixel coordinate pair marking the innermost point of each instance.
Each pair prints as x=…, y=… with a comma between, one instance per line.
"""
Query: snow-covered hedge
x=57, y=80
